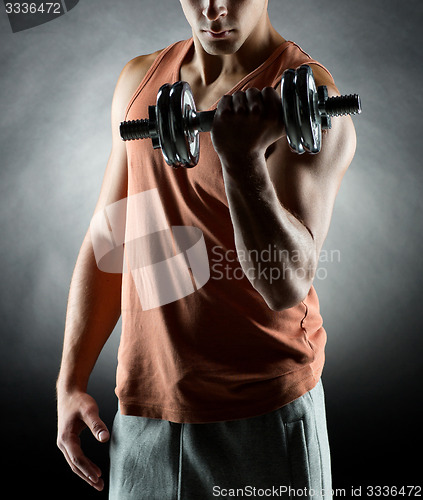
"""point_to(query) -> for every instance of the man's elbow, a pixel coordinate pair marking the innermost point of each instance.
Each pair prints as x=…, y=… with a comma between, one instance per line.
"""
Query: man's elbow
x=286, y=295
x=286, y=301
x=287, y=286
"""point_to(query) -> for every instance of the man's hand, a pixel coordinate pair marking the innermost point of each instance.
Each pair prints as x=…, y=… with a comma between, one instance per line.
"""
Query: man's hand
x=247, y=123
x=76, y=411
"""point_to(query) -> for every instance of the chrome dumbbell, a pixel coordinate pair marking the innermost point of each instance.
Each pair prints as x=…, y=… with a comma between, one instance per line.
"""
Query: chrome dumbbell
x=174, y=124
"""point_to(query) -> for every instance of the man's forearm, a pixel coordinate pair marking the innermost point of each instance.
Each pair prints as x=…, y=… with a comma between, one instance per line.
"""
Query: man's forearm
x=282, y=251
x=92, y=312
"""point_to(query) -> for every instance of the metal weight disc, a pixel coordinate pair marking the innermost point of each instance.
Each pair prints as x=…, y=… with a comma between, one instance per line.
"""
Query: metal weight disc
x=191, y=136
x=176, y=124
x=289, y=106
x=164, y=125
x=187, y=143
x=308, y=115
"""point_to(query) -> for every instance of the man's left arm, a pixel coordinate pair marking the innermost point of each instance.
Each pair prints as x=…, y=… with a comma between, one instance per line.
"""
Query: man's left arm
x=280, y=202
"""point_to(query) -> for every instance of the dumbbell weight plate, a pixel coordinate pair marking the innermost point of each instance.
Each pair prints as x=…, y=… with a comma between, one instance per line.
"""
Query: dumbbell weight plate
x=164, y=125
x=290, y=115
x=309, y=118
x=187, y=142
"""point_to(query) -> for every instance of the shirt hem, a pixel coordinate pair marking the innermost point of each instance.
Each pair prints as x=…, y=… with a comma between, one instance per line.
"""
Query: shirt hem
x=289, y=394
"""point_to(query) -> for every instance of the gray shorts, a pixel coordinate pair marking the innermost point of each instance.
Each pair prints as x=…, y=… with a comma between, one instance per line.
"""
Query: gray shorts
x=282, y=454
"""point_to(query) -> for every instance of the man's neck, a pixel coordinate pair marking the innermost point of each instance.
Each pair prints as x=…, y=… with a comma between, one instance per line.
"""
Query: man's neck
x=255, y=50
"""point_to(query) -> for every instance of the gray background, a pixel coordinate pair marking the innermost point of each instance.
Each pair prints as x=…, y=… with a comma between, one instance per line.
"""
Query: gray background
x=57, y=82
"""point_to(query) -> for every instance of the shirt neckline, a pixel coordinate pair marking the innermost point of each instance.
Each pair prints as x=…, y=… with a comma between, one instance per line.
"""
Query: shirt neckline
x=275, y=54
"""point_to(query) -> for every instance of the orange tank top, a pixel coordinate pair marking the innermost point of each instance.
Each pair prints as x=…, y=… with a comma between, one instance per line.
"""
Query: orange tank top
x=199, y=343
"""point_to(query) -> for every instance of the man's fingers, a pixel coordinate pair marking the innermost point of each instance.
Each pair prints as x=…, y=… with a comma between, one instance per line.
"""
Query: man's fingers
x=81, y=465
x=272, y=101
x=93, y=481
x=255, y=101
x=80, y=461
x=239, y=102
x=225, y=105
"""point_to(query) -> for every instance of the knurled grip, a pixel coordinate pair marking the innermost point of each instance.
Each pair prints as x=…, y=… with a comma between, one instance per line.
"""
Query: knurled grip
x=135, y=129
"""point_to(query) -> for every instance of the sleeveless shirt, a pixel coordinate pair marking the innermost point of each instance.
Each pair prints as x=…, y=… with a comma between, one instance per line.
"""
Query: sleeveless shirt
x=198, y=342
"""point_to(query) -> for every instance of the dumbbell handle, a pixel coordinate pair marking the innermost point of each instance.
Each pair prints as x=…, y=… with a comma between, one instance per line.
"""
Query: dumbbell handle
x=203, y=121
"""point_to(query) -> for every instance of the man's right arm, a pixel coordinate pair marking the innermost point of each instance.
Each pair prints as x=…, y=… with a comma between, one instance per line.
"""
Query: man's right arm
x=94, y=303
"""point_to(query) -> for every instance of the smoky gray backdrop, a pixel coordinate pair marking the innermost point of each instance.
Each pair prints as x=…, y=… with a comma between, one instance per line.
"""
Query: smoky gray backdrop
x=57, y=82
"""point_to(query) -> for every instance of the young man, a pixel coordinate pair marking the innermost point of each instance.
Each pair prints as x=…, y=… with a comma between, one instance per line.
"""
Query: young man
x=219, y=388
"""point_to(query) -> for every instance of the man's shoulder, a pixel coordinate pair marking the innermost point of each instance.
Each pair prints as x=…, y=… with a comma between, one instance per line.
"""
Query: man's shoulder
x=130, y=78
x=138, y=67
x=298, y=56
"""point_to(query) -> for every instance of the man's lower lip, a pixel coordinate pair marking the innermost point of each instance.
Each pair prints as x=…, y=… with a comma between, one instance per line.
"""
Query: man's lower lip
x=222, y=34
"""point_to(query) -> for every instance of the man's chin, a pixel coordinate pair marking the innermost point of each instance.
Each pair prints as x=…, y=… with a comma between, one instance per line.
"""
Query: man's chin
x=219, y=49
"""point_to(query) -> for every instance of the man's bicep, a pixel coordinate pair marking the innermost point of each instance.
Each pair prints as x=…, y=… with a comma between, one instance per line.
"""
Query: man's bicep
x=307, y=184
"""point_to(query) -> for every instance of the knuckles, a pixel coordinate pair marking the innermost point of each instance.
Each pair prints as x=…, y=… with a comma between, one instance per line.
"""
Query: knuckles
x=250, y=120
x=264, y=104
